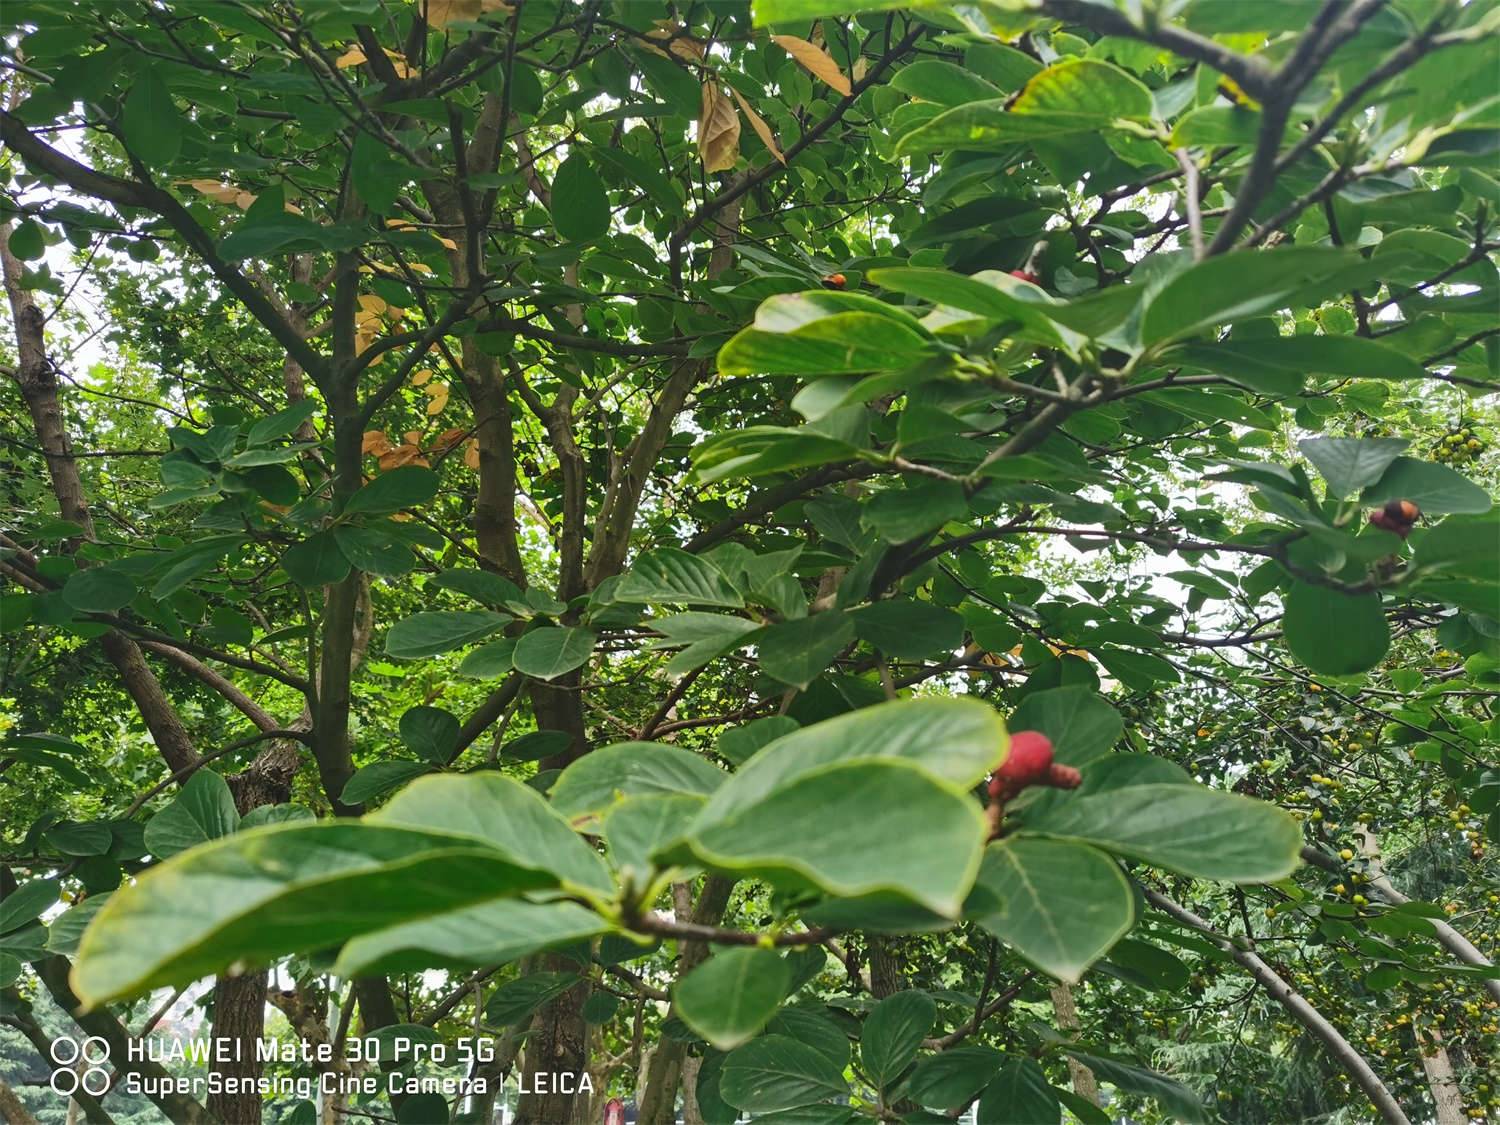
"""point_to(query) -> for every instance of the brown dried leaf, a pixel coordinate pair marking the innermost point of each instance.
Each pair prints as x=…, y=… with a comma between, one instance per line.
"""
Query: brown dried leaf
x=448, y=439
x=718, y=131
x=352, y=57
x=762, y=130
x=402, y=455
x=471, y=454
x=420, y=377
x=376, y=442
x=815, y=61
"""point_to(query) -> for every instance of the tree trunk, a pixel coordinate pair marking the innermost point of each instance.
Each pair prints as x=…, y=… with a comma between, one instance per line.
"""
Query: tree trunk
x=1085, y=1085
x=558, y=1046
x=1447, y=1098
x=11, y=1109
x=239, y=1014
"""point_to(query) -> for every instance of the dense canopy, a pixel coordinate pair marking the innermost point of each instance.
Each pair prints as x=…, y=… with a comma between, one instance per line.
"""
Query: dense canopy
x=805, y=560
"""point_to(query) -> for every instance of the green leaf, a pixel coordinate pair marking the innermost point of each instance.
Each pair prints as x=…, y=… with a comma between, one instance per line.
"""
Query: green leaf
x=282, y=423
x=493, y=590
x=957, y=740
x=902, y=514
x=1189, y=829
x=152, y=125
x=732, y=995
x=1174, y=1097
x=777, y=1072
x=439, y=631
x=373, y=551
x=991, y=294
x=489, y=661
x=254, y=896
x=580, y=208
x=796, y=652
x=817, y=831
x=738, y=744
x=489, y=933
x=378, y=173
x=1020, y=1095
x=951, y=1078
x=1436, y=489
x=514, y=1000
x=1464, y=545
x=1279, y=365
x=503, y=813
x=1335, y=633
x=946, y=83
x=550, y=652
x=275, y=814
x=537, y=745
x=98, y=589
x=409, y=486
x=27, y=241
x=893, y=1031
x=1079, y=722
x=26, y=903
x=668, y=575
x=1059, y=905
x=1235, y=286
x=597, y=780
x=1148, y=966
x=638, y=827
x=909, y=629
x=822, y=333
x=430, y=732
x=1349, y=464
x=316, y=561
x=1074, y=95
x=380, y=777
x=202, y=810
x=67, y=928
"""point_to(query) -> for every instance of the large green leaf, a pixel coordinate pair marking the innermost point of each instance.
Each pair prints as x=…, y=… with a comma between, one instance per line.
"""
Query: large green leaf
x=380, y=777
x=316, y=561
x=551, y=652
x=1464, y=545
x=1074, y=95
x=1333, y=632
x=152, y=125
x=202, y=810
x=488, y=933
x=629, y=769
x=1020, y=1095
x=26, y=903
x=503, y=813
x=1060, y=905
x=1234, y=286
x=909, y=629
x=951, y=1078
x=777, y=1072
x=797, y=652
x=991, y=294
x=824, y=334
x=675, y=577
x=818, y=832
x=1080, y=722
x=1349, y=464
x=1436, y=489
x=98, y=589
x=1279, y=365
x=732, y=995
x=409, y=486
x=893, y=1031
x=254, y=896
x=439, y=631
x=580, y=208
x=958, y=740
x=1189, y=829
x=638, y=827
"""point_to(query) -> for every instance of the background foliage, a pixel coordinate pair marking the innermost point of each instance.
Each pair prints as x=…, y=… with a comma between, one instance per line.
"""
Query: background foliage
x=534, y=520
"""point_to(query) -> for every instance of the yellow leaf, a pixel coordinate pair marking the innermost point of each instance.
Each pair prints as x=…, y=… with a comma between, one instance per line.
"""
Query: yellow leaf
x=420, y=377
x=471, y=454
x=243, y=199
x=436, y=404
x=352, y=57
x=718, y=131
x=815, y=60
x=402, y=455
x=398, y=224
x=448, y=439
x=371, y=303
x=448, y=242
x=376, y=442
x=436, y=390
x=681, y=44
x=762, y=130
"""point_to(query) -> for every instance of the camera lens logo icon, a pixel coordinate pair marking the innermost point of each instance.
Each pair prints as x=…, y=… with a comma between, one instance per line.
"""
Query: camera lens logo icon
x=92, y=1076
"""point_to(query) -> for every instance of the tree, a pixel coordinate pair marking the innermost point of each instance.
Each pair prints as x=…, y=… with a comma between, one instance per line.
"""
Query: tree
x=577, y=499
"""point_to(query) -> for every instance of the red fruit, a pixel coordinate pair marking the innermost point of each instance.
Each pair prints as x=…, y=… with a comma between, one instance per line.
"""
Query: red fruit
x=1064, y=777
x=835, y=281
x=1402, y=511
x=1028, y=763
x=1026, y=275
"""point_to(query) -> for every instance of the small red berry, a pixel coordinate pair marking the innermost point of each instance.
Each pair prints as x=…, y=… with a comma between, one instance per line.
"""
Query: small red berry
x=1026, y=275
x=1028, y=763
x=1403, y=511
x=835, y=281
